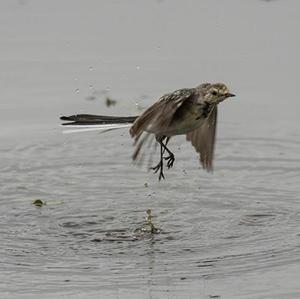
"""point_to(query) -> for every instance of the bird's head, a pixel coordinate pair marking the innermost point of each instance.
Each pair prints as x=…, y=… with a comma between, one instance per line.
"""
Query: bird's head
x=214, y=93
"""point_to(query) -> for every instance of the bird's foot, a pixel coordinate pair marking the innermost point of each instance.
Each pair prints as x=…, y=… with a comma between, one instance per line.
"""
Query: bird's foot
x=159, y=167
x=170, y=160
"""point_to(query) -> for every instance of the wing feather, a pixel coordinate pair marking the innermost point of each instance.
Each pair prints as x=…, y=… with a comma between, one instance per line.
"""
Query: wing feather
x=203, y=140
x=161, y=113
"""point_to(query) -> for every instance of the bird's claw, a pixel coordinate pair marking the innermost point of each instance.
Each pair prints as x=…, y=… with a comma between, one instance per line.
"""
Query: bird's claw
x=170, y=160
x=161, y=175
x=158, y=167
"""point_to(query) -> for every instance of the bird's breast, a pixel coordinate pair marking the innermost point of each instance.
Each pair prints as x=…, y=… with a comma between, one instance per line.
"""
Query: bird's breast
x=188, y=120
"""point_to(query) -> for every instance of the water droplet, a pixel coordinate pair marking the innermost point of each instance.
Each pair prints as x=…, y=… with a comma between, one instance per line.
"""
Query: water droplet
x=77, y=90
x=138, y=67
x=137, y=106
x=91, y=69
x=90, y=86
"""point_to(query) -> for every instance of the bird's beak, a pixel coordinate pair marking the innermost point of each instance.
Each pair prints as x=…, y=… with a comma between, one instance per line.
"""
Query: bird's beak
x=230, y=95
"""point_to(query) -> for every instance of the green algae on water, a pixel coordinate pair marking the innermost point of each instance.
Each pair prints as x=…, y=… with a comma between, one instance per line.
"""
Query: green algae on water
x=148, y=228
x=39, y=203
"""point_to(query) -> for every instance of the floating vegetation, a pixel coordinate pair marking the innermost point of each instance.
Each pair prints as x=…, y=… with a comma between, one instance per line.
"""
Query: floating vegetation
x=147, y=228
x=121, y=235
x=110, y=102
x=39, y=203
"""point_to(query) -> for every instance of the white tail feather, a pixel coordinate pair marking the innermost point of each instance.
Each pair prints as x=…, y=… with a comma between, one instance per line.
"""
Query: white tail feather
x=89, y=128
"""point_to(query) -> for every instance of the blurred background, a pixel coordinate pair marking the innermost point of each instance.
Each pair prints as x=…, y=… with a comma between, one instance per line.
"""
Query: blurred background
x=54, y=54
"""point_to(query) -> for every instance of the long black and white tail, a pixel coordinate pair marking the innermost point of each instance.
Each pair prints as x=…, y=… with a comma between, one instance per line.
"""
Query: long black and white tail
x=88, y=122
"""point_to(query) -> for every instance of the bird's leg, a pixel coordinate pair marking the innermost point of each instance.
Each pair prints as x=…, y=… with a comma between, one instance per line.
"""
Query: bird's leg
x=159, y=167
x=171, y=158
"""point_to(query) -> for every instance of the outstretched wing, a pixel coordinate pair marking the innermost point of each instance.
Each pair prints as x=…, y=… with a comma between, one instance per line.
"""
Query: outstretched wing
x=203, y=140
x=161, y=113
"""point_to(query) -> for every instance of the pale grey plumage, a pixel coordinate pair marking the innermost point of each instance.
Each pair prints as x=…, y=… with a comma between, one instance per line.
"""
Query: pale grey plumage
x=189, y=111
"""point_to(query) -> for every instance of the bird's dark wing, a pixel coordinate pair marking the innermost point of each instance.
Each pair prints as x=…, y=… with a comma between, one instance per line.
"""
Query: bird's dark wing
x=161, y=113
x=203, y=140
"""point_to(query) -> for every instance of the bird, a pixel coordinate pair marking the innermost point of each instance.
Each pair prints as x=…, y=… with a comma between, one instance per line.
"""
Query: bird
x=187, y=111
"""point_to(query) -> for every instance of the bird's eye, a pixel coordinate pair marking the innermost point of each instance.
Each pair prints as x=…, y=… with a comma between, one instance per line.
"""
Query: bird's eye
x=214, y=92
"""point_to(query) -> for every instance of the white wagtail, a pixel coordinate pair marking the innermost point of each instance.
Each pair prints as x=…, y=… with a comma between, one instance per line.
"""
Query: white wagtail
x=189, y=111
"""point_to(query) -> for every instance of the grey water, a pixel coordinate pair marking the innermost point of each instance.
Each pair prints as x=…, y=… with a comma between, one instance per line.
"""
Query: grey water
x=230, y=234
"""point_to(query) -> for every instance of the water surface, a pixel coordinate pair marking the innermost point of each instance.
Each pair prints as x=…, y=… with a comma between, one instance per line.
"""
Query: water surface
x=230, y=234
